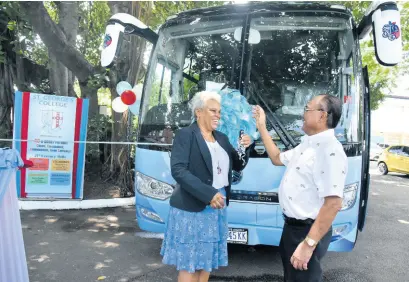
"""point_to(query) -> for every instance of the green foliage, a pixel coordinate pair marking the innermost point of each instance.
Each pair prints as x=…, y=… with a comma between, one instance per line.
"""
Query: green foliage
x=357, y=8
x=98, y=127
x=104, y=97
x=188, y=85
x=26, y=42
x=93, y=19
x=382, y=79
x=11, y=25
x=52, y=10
x=162, y=9
x=94, y=15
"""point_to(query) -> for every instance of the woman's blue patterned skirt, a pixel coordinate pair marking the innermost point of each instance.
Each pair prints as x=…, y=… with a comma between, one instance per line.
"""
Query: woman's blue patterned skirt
x=196, y=240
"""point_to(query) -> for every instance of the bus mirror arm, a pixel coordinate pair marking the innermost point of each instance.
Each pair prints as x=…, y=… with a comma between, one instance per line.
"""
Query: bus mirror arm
x=117, y=26
x=134, y=26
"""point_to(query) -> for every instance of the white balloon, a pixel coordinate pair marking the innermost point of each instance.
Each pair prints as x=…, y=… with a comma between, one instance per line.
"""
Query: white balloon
x=118, y=106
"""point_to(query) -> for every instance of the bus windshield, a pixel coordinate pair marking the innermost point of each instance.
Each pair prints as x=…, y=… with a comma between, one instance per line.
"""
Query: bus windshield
x=285, y=61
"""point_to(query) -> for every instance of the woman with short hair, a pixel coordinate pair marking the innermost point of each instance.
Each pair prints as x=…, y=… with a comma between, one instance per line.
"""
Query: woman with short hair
x=202, y=161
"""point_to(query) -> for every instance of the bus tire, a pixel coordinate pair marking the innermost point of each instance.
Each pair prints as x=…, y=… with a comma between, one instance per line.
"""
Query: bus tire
x=383, y=168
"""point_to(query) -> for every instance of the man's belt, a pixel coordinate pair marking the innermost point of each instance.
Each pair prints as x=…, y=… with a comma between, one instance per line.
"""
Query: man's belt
x=298, y=222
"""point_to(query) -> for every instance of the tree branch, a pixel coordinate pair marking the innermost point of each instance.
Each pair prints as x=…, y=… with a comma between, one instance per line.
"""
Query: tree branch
x=55, y=40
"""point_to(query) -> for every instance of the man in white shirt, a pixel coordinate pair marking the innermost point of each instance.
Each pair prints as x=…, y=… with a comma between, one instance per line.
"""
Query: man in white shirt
x=311, y=190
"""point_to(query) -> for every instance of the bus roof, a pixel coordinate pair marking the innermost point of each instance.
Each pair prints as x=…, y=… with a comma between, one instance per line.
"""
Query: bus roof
x=254, y=7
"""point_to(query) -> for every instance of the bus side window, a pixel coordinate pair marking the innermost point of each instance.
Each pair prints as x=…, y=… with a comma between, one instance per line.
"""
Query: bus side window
x=161, y=85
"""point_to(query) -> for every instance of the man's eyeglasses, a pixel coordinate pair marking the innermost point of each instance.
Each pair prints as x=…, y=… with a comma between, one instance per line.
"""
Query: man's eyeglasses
x=306, y=109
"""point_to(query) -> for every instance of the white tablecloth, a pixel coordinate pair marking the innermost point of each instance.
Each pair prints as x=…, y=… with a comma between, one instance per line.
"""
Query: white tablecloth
x=13, y=264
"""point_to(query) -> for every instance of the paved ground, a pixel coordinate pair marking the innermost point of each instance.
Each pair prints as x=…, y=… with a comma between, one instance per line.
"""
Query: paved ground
x=107, y=244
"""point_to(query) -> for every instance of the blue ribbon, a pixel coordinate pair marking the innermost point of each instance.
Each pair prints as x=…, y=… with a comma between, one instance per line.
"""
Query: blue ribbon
x=237, y=114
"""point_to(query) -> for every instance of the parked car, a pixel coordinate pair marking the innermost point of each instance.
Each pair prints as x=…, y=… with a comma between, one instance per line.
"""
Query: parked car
x=394, y=159
x=383, y=146
x=374, y=151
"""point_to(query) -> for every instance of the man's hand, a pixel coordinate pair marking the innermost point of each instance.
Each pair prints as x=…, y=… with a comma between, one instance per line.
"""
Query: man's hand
x=218, y=201
x=302, y=256
x=260, y=116
x=332, y=205
x=272, y=150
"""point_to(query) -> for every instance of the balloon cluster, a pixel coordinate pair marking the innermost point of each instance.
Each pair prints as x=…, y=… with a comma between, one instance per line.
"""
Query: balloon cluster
x=236, y=115
x=127, y=98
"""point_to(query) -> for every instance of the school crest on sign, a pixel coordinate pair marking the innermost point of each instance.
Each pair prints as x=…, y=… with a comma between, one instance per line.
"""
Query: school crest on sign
x=51, y=120
x=57, y=120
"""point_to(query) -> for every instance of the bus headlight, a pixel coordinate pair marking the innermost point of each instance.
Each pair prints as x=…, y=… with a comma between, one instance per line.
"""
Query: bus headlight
x=349, y=196
x=152, y=188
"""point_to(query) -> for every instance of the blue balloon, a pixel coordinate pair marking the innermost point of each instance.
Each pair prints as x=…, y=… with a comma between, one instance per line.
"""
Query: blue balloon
x=134, y=108
x=122, y=86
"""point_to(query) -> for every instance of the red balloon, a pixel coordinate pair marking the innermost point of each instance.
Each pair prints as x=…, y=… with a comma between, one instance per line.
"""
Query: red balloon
x=128, y=97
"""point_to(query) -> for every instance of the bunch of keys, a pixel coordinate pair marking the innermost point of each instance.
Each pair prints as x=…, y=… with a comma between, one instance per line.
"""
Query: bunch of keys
x=241, y=150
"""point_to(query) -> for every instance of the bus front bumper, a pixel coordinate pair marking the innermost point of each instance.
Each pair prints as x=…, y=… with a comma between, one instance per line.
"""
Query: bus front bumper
x=152, y=214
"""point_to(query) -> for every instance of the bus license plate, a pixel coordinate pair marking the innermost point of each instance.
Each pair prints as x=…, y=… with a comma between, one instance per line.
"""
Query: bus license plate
x=238, y=236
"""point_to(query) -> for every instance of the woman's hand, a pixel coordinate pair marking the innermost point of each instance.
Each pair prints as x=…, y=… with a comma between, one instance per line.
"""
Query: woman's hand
x=218, y=201
x=245, y=141
x=260, y=116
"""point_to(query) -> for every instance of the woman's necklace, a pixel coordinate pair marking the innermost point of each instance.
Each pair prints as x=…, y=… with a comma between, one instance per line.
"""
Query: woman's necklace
x=208, y=138
x=213, y=145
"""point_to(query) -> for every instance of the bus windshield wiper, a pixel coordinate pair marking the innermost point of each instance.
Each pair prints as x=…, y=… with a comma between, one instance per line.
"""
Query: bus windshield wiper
x=272, y=119
x=275, y=123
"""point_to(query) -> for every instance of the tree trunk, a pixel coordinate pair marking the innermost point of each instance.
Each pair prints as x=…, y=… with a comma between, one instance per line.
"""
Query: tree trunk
x=14, y=70
x=69, y=22
x=61, y=78
x=6, y=100
x=91, y=93
x=58, y=76
x=20, y=73
x=120, y=165
x=55, y=40
x=6, y=86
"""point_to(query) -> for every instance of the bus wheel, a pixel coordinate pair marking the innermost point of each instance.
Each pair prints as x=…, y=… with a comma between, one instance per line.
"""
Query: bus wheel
x=383, y=168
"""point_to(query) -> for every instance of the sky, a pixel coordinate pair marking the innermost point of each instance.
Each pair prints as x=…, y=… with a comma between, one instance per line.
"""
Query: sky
x=393, y=114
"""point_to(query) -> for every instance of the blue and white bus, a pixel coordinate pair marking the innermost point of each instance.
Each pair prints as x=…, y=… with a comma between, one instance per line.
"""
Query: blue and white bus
x=278, y=55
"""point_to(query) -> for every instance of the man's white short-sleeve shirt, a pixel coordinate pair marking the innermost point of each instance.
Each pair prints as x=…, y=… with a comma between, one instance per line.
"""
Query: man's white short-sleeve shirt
x=316, y=169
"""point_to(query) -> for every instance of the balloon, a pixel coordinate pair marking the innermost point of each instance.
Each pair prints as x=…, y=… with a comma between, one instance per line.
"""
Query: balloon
x=134, y=108
x=118, y=106
x=128, y=97
x=137, y=89
x=122, y=86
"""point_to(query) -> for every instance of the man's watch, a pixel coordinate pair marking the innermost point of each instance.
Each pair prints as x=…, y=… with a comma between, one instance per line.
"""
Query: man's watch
x=310, y=242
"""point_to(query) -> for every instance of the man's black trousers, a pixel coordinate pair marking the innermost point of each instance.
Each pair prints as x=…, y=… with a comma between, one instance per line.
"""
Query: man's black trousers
x=293, y=235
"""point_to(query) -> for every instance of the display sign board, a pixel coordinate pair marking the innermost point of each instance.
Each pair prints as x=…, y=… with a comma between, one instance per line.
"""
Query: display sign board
x=51, y=125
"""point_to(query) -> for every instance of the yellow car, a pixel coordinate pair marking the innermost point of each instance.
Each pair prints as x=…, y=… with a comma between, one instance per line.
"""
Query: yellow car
x=394, y=159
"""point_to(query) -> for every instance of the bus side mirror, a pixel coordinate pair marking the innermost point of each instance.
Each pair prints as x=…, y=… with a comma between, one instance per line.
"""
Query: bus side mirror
x=118, y=25
x=112, y=39
x=387, y=34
